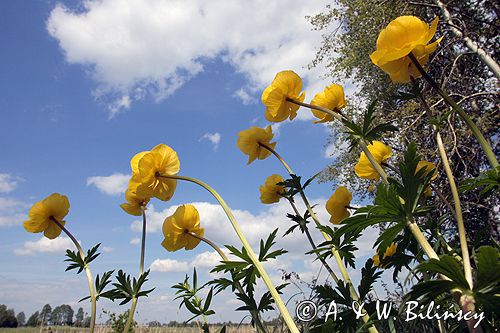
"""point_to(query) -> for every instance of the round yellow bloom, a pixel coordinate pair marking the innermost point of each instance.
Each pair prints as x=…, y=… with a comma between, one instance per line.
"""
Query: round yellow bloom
x=146, y=168
x=286, y=84
x=248, y=142
x=388, y=253
x=337, y=204
x=270, y=192
x=331, y=98
x=364, y=169
x=134, y=205
x=42, y=214
x=429, y=167
x=403, y=35
x=176, y=227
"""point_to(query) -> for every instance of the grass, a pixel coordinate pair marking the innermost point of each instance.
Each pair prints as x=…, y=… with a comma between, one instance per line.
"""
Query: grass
x=141, y=329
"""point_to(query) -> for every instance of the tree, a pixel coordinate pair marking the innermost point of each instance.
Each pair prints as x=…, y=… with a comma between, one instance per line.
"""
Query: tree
x=62, y=315
x=350, y=30
x=7, y=317
x=45, y=314
x=34, y=320
x=21, y=318
x=79, y=317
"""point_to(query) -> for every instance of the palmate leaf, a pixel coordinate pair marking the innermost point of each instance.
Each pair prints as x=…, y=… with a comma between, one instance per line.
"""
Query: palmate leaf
x=488, y=270
x=489, y=180
x=369, y=274
x=100, y=285
x=447, y=266
x=127, y=288
x=76, y=262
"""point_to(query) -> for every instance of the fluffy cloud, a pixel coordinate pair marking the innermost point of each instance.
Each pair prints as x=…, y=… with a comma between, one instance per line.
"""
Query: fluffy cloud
x=12, y=212
x=114, y=184
x=164, y=42
x=244, y=96
x=8, y=182
x=213, y=138
x=168, y=265
x=60, y=244
x=135, y=241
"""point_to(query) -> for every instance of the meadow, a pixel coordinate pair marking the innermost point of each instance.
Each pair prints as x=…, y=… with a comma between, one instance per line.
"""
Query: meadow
x=140, y=329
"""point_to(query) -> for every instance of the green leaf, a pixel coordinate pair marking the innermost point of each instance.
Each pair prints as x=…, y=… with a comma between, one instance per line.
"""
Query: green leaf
x=449, y=267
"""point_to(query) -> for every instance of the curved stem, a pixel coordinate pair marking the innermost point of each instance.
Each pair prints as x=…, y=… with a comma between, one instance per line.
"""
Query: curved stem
x=90, y=280
x=258, y=265
x=336, y=255
x=465, y=117
x=313, y=245
x=255, y=314
x=141, y=270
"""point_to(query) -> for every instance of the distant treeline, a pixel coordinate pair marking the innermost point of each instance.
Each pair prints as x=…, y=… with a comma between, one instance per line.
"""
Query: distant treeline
x=62, y=315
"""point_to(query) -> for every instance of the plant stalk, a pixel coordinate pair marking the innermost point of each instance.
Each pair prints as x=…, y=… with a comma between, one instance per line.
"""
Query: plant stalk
x=90, y=280
x=457, y=108
x=258, y=265
x=141, y=270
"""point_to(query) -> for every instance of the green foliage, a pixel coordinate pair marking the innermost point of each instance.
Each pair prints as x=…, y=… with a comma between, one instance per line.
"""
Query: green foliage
x=126, y=288
x=118, y=322
x=190, y=299
x=7, y=317
x=100, y=285
x=75, y=261
x=489, y=180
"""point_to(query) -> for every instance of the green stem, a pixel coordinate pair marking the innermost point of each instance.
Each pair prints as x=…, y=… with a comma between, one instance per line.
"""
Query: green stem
x=255, y=314
x=313, y=245
x=141, y=270
x=258, y=265
x=336, y=255
x=90, y=281
x=457, y=108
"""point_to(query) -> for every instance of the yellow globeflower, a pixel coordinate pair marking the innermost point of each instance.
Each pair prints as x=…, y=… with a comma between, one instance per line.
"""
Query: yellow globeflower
x=403, y=35
x=331, y=98
x=43, y=213
x=364, y=169
x=270, y=192
x=429, y=167
x=177, y=226
x=134, y=204
x=248, y=142
x=286, y=84
x=388, y=253
x=146, y=170
x=337, y=204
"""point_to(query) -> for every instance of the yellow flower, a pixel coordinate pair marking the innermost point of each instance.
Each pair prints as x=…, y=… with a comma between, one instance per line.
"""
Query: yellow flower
x=331, y=98
x=42, y=214
x=146, y=168
x=286, y=84
x=248, y=142
x=337, y=204
x=134, y=204
x=429, y=167
x=364, y=169
x=177, y=226
x=403, y=35
x=388, y=253
x=270, y=192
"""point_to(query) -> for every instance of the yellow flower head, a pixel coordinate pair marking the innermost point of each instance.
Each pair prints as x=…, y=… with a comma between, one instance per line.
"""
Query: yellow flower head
x=337, y=204
x=134, y=205
x=270, y=192
x=248, y=142
x=331, y=98
x=146, y=168
x=364, y=169
x=403, y=35
x=43, y=213
x=176, y=229
x=388, y=253
x=429, y=167
x=286, y=84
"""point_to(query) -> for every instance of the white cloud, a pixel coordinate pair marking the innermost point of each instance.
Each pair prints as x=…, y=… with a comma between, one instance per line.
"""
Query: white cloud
x=123, y=103
x=168, y=265
x=8, y=182
x=208, y=259
x=213, y=138
x=135, y=241
x=107, y=249
x=114, y=184
x=155, y=47
x=244, y=96
x=59, y=244
x=12, y=212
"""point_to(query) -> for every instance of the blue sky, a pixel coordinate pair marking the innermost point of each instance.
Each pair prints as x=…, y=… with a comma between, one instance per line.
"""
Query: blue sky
x=86, y=86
